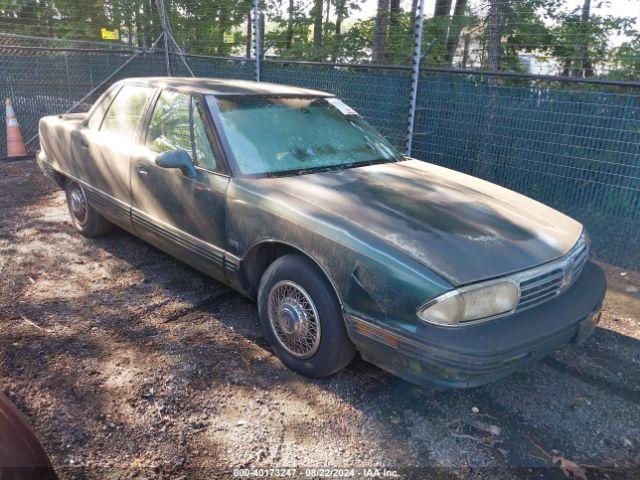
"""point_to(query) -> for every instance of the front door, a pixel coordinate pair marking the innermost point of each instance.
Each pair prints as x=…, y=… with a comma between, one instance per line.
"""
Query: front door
x=103, y=147
x=181, y=215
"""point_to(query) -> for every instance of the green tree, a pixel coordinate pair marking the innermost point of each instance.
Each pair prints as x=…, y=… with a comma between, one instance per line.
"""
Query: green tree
x=581, y=40
x=626, y=60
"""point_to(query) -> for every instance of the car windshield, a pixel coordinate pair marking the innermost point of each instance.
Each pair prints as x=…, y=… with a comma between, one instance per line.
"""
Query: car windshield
x=280, y=136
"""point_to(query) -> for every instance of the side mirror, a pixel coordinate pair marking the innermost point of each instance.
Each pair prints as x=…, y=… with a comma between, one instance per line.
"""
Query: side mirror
x=177, y=159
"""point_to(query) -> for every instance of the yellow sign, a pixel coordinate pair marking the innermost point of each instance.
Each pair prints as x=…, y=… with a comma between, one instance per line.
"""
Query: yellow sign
x=110, y=34
x=228, y=37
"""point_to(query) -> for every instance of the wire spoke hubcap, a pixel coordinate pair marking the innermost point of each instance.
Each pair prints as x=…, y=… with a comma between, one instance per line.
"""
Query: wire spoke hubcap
x=294, y=319
x=78, y=203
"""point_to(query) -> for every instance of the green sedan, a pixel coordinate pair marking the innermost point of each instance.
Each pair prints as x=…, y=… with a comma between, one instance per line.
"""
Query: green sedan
x=290, y=197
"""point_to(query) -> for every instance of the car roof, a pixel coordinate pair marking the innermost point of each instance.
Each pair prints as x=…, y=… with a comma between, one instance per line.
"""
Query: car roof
x=222, y=86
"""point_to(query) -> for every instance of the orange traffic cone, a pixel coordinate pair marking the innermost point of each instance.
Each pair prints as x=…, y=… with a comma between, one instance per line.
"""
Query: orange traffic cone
x=15, y=143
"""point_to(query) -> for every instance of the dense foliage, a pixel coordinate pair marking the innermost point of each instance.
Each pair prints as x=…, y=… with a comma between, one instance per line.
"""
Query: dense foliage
x=539, y=36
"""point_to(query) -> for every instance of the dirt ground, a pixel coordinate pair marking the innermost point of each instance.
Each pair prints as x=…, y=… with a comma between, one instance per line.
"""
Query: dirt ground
x=130, y=364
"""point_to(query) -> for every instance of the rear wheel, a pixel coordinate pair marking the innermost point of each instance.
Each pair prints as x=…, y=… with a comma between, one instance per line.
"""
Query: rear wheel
x=85, y=218
x=302, y=319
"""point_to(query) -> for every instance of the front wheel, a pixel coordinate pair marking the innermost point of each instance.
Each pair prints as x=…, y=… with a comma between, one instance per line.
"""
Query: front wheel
x=85, y=218
x=302, y=319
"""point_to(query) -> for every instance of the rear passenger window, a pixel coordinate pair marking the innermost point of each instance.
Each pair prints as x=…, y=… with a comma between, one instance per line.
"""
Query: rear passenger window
x=126, y=110
x=98, y=114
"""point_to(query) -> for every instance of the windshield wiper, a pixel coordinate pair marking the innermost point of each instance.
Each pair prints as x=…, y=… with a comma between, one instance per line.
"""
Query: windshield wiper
x=328, y=168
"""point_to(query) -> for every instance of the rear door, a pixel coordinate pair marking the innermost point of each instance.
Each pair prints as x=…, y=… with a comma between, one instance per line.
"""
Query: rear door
x=103, y=149
x=184, y=216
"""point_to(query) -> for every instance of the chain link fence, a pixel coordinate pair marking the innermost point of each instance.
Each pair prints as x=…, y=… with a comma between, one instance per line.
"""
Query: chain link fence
x=559, y=122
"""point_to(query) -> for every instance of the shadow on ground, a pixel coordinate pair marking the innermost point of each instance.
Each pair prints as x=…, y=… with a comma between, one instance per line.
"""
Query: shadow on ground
x=126, y=360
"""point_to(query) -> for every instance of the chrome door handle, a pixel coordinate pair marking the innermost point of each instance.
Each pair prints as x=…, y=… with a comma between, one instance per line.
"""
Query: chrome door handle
x=142, y=170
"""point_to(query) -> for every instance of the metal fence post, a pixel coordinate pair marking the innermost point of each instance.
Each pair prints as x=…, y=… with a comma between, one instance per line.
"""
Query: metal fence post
x=415, y=76
x=256, y=37
x=166, y=33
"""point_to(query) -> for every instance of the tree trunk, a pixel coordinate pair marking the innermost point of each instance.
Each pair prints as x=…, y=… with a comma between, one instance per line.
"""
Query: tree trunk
x=289, y=38
x=393, y=30
x=587, y=65
x=130, y=30
x=45, y=21
x=262, y=35
x=465, y=51
x=316, y=13
x=220, y=47
x=146, y=26
x=139, y=31
x=494, y=35
x=380, y=33
x=453, y=37
x=442, y=8
x=247, y=46
x=340, y=14
x=394, y=12
x=197, y=36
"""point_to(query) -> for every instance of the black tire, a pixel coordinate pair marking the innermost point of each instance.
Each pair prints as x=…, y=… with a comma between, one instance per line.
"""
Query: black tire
x=334, y=350
x=88, y=221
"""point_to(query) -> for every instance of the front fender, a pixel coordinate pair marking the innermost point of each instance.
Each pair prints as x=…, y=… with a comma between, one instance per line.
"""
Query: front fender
x=371, y=278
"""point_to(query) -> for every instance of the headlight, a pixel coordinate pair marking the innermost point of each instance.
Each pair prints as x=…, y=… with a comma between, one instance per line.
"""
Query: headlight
x=471, y=303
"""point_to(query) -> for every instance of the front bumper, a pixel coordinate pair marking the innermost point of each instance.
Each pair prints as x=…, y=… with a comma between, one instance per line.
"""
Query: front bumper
x=468, y=356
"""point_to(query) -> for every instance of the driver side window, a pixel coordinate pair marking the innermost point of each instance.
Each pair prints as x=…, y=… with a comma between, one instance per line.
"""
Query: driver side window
x=169, y=125
x=177, y=122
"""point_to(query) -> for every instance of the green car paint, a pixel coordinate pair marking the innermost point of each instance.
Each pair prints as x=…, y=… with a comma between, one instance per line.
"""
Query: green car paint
x=389, y=236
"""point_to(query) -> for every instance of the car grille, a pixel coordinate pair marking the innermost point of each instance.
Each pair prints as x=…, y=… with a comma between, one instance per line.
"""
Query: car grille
x=544, y=283
x=540, y=288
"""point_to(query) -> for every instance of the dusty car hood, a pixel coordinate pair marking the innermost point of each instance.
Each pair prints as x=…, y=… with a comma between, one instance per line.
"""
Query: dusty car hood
x=463, y=228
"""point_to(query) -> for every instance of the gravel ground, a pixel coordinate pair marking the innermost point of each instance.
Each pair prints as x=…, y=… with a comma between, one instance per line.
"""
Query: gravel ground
x=130, y=364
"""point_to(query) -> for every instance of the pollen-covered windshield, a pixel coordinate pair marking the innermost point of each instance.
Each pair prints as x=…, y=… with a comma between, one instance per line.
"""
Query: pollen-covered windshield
x=276, y=135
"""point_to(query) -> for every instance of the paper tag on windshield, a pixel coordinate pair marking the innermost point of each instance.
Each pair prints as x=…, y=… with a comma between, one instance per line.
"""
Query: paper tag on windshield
x=342, y=107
